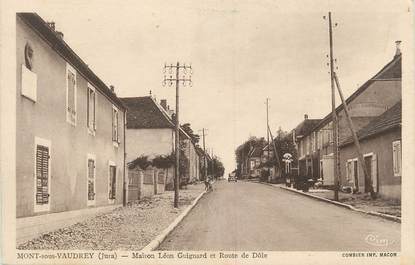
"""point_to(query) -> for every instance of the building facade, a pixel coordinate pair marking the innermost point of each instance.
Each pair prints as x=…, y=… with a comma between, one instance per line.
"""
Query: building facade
x=380, y=143
x=70, y=127
x=370, y=100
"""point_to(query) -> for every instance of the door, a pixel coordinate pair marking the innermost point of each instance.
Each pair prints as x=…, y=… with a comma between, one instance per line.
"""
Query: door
x=368, y=164
x=42, y=177
x=356, y=175
x=91, y=180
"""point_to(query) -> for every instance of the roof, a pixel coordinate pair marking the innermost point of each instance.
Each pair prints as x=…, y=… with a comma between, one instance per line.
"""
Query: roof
x=392, y=70
x=390, y=119
x=144, y=112
x=41, y=28
x=305, y=127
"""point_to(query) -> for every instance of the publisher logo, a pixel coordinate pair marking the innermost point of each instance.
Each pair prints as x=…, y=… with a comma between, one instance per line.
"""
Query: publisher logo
x=377, y=240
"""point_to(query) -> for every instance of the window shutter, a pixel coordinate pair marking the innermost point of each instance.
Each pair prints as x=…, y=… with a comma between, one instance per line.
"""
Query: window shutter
x=42, y=174
x=347, y=172
x=374, y=172
x=395, y=158
x=91, y=176
x=399, y=156
x=352, y=171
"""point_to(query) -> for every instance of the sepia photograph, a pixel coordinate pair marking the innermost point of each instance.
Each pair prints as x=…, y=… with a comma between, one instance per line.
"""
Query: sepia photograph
x=220, y=132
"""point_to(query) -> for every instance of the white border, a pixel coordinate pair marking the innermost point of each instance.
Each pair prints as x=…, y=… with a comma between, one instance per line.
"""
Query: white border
x=112, y=163
x=47, y=143
x=91, y=202
x=69, y=68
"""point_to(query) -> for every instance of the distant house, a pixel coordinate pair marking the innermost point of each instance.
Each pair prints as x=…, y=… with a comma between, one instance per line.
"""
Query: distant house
x=304, y=144
x=151, y=133
x=70, y=133
x=254, y=162
x=380, y=143
x=269, y=162
x=370, y=100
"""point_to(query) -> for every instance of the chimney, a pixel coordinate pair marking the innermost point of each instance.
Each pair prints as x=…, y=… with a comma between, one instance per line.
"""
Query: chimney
x=398, y=47
x=112, y=89
x=51, y=25
x=163, y=103
x=59, y=34
x=305, y=116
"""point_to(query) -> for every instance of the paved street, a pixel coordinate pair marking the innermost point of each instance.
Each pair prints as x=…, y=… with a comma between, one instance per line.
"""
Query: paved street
x=252, y=216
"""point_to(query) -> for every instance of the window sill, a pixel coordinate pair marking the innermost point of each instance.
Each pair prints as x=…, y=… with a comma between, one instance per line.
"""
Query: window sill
x=42, y=208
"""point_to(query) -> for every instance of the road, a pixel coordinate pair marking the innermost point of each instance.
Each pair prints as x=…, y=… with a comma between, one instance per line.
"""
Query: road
x=251, y=216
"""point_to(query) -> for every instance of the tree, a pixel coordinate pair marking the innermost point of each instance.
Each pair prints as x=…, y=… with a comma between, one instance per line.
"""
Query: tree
x=215, y=167
x=284, y=144
x=242, y=151
x=193, y=137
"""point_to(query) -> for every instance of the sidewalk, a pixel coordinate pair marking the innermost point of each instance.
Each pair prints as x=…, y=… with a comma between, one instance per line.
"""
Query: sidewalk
x=125, y=228
x=389, y=209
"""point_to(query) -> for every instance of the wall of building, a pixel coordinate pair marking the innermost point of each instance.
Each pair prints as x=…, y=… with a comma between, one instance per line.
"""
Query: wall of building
x=70, y=145
x=379, y=96
x=372, y=102
x=149, y=142
x=381, y=145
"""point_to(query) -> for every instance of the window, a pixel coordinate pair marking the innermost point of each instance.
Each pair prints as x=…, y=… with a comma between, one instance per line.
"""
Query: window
x=112, y=182
x=91, y=171
x=70, y=95
x=115, y=125
x=397, y=158
x=29, y=78
x=42, y=175
x=91, y=109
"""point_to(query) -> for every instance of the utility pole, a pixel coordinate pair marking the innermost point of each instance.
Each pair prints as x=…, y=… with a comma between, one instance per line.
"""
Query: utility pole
x=213, y=166
x=355, y=139
x=334, y=116
x=204, y=152
x=170, y=80
x=269, y=171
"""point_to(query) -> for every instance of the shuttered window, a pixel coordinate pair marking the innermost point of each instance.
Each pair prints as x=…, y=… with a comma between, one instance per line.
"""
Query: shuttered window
x=397, y=158
x=374, y=170
x=42, y=175
x=91, y=180
x=71, y=95
x=112, y=182
x=115, y=125
x=91, y=109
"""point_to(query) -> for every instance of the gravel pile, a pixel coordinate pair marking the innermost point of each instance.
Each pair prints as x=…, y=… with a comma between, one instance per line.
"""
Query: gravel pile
x=125, y=228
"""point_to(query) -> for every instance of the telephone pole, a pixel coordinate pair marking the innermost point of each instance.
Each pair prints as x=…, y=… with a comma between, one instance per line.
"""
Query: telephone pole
x=204, y=152
x=213, y=166
x=268, y=156
x=334, y=116
x=170, y=80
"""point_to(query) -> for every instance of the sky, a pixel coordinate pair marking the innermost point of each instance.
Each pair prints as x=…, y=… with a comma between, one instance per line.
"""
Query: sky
x=241, y=53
